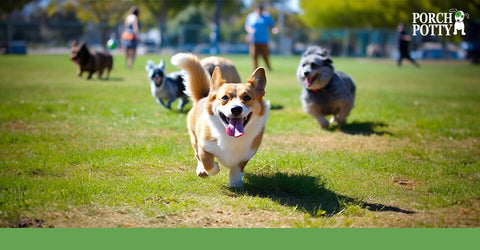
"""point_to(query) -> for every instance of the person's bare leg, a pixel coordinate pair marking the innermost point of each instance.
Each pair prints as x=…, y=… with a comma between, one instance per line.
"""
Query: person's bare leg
x=132, y=56
x=127, y=57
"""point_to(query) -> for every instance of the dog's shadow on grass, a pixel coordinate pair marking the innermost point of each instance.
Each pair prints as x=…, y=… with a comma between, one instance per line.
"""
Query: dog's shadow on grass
x=306, y=193
x=362, y=128
x=113, y=79
x=181, y=111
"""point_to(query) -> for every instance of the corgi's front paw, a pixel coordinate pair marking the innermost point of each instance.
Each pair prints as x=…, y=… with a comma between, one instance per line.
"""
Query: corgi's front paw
x=202, y=172
x=235, y=178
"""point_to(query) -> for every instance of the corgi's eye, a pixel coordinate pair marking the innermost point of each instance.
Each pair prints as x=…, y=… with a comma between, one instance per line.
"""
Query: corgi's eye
x=314, y=65
x=247, y=98
x=225, y=98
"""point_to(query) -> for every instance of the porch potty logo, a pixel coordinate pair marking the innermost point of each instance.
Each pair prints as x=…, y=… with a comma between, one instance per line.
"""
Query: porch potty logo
x=439, y=24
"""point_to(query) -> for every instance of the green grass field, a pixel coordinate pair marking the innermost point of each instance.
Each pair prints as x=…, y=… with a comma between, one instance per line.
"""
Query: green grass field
x=102, y=153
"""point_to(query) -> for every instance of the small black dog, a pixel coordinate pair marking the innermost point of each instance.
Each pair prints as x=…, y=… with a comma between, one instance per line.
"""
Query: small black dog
x=90, y=61
x=166, y=87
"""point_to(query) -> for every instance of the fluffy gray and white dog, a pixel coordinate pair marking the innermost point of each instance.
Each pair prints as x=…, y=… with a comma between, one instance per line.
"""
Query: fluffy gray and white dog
x=166, y=87
x=326, y=91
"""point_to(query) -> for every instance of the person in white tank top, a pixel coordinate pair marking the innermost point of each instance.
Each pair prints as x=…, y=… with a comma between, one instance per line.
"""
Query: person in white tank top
x=130, y=36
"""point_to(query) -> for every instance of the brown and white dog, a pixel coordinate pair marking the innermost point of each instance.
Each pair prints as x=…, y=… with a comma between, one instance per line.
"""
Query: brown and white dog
x=227, y=120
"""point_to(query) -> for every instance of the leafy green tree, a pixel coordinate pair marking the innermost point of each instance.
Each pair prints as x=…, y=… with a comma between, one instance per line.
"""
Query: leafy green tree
x=160, y=11
x=163, y=12
x=105, y=13
x=375, y=13
x=189, y=24
x=7, y=6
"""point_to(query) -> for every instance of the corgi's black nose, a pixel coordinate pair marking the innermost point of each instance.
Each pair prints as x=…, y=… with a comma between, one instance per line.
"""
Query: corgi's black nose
x=236, y=110
x=306, y=73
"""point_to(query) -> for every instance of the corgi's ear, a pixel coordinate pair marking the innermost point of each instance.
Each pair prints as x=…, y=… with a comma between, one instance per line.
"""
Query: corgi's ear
x=161, y=65
x=217, y=79
x=150, y=65
x=83, y=45
x=258, y=80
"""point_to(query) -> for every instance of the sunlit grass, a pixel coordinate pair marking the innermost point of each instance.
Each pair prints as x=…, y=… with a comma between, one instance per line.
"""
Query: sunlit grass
x=102, y=153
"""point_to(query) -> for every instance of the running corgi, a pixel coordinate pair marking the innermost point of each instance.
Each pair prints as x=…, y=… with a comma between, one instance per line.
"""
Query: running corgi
x=227, y=120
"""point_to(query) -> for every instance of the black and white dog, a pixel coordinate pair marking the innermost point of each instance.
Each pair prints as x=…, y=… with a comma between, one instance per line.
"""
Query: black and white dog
x=325, y=91
x=166, y=88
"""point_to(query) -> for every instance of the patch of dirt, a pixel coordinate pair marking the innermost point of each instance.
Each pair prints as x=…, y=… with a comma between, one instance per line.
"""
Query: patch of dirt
x=406, y=183
x=230, y=217
x=14, y=126
x=25, y=222
x=99, y=218
x=124, y=217
x=454, y=217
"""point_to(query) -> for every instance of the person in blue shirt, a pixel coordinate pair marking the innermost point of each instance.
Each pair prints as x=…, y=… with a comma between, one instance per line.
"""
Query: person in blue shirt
x=257, y=25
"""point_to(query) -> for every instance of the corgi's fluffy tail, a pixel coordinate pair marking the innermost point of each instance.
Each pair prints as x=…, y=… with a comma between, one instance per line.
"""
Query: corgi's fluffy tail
x=197, y=81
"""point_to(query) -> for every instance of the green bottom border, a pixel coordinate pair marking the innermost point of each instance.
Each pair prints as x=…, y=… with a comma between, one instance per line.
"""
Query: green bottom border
x=294, y=239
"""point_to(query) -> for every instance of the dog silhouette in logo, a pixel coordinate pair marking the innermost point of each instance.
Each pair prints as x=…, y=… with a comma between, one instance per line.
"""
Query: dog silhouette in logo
x=459, y=25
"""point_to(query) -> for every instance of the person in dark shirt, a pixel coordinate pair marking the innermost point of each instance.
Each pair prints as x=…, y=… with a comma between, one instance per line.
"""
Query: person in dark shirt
x=403, y=42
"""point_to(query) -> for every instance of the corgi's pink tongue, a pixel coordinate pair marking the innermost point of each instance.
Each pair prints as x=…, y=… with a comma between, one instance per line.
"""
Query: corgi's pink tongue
x=235, y=127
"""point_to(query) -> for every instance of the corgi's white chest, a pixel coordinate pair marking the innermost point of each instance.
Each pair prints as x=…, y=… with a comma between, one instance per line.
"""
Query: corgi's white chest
x=231, y=151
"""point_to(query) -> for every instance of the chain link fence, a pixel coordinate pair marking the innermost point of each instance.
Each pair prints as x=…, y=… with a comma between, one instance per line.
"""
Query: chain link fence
x=55, y=37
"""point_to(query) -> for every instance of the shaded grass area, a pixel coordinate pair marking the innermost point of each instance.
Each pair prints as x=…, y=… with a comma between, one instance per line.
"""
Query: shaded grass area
x=102, y=153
